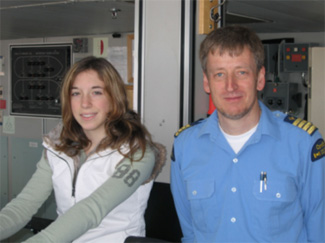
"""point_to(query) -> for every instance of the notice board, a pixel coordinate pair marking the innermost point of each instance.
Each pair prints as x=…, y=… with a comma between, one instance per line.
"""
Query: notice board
x=37, y=72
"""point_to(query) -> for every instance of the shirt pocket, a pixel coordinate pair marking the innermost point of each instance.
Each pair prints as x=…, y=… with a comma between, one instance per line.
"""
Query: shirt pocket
x=203, y=203
x=274, y=207
x=277, y=191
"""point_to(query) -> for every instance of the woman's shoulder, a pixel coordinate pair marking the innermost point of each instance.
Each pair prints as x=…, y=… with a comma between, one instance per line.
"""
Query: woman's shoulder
x=53, y=137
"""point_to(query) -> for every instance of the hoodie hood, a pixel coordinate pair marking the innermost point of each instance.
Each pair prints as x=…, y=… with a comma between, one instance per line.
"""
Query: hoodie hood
x=53, y=138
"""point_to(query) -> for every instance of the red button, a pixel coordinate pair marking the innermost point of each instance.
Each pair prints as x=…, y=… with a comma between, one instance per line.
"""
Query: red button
x=3, y=104
x=296, y=58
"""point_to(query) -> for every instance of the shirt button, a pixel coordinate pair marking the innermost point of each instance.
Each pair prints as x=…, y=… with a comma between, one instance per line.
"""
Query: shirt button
x=233, y=189
x=278, y=195
x=235, y=160
x=194, y=192
x=233, y=220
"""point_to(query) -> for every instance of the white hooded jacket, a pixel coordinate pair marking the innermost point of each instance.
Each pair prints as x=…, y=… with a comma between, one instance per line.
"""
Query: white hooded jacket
x=125, y=219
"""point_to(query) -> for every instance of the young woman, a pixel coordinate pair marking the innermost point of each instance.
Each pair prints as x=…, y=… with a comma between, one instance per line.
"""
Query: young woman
x=100, y=161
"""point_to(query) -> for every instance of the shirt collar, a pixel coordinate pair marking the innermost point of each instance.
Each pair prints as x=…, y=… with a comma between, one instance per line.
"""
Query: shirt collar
x=268, y=124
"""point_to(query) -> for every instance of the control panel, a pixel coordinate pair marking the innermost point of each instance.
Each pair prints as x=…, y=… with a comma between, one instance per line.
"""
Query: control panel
x=36, y=75
x=295, y=57
x=281, y=96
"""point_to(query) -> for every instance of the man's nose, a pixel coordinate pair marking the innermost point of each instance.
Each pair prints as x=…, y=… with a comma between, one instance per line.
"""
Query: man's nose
x=231, y=83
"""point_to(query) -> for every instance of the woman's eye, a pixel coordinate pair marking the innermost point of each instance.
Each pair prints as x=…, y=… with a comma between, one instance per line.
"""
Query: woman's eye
x=97, y=92
x=74, y=93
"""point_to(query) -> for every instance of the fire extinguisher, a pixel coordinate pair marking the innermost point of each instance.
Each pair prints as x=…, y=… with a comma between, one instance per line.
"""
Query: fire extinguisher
x=211, y=106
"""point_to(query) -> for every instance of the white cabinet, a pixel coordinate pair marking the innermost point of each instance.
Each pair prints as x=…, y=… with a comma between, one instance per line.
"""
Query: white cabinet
x=316, y=93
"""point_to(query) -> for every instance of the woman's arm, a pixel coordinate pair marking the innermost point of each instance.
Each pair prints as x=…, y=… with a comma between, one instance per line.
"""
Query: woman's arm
x=89, y=212
x=17, y=213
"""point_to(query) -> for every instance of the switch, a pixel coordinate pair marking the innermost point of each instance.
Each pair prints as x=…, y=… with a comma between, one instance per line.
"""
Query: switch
x=1, y=64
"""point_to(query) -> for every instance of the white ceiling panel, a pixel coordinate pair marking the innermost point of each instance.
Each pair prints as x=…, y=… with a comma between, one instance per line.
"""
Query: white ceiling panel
x=285, y=15
x=53, y=18
x=64, y=18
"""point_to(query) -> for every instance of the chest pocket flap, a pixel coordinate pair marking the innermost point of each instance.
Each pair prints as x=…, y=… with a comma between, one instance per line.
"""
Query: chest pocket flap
x=200, y=189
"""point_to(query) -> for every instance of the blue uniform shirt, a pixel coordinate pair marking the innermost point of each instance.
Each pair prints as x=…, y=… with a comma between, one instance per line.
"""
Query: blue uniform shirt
x=219, y=196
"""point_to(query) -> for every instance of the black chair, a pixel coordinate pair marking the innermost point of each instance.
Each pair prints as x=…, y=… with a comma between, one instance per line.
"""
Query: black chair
x=37, y=224
x=162, y=224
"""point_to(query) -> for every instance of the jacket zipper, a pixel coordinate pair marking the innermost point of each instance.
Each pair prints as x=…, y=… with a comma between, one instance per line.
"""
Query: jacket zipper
x=74, y=174
x=77, y=171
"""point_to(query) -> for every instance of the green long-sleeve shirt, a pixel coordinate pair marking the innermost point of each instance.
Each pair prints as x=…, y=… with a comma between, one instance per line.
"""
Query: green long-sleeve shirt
x=83, y=216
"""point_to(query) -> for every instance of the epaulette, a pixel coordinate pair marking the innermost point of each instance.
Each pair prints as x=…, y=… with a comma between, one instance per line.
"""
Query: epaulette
x=303, y=124
x=187, y=126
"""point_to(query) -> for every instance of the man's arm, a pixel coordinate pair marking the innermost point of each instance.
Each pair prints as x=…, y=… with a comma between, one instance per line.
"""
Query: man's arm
x=179, y=192
x=313, y=192
x=89, y=212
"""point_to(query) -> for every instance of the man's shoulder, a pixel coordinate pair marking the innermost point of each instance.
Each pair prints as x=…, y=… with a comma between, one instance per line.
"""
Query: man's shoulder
x=302, y=124
x=189, y=127
x=186, y=135
x=296, y=124
x=298, y=130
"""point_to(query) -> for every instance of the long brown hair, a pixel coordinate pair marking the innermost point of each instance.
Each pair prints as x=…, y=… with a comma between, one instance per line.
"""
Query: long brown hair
x=123, y=125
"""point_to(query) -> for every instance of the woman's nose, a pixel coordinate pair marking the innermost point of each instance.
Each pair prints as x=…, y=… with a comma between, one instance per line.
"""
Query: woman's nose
x=85, y=101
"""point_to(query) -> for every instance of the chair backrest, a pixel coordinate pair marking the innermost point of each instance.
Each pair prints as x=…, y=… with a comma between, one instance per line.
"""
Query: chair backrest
x=161, y=217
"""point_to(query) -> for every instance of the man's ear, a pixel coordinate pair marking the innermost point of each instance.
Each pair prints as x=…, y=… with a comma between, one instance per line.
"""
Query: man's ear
x=206, y=85
x=261, y=79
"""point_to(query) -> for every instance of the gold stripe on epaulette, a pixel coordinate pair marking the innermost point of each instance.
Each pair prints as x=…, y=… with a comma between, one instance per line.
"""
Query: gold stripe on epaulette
x=302, y=123
x=297, y=121
x=307, y=126
x=311, y=129
x=181, y=129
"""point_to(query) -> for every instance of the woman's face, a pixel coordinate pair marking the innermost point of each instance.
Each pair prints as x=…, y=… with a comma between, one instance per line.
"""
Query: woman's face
x=90, y=103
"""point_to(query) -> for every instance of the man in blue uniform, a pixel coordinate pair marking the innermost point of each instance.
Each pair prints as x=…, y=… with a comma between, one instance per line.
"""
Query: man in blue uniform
x=245, y=173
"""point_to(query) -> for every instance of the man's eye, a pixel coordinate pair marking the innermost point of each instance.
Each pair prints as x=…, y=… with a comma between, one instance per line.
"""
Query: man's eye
x=218, y=75
x=242, y=72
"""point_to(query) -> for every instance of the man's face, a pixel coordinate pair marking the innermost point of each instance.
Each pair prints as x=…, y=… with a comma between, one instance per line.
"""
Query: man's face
x=233, y=83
